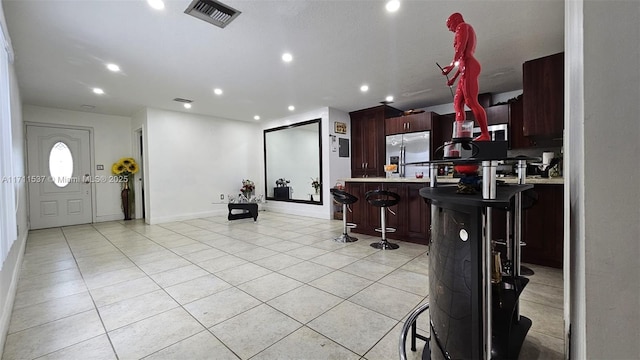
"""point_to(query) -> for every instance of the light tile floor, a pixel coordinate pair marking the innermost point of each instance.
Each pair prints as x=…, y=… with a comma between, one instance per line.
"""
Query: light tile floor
x=209, y=288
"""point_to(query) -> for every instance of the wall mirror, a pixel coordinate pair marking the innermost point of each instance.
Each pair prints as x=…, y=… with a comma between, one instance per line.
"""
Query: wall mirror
x=292, y=161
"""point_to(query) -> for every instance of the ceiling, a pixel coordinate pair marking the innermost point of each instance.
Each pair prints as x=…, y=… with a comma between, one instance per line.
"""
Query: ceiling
x=61, y=49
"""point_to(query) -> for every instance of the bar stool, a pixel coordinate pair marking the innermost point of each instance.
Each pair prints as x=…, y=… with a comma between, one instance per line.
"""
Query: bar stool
x=383, y=199
x=346, y=199
x=529, y=199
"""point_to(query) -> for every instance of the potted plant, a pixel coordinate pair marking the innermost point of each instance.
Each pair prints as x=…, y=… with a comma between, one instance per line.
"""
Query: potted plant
x=316, y=185
x=247, y=188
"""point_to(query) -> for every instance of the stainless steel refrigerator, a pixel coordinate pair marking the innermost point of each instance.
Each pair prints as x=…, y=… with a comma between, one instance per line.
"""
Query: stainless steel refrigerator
x=408, y=148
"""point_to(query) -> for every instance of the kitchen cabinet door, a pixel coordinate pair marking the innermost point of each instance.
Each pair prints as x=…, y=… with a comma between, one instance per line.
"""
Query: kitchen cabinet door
x=368, y=141
x=357, y=148
x=543, y=227
x=543, y=92
x=497, y=114
x=416, y=214
x=517, y=139
x=358, y=213
x=409, y=123
x=394, y=125
x=418, y=122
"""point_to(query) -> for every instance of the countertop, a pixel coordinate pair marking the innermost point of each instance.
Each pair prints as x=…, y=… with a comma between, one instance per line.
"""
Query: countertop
x=450, y=179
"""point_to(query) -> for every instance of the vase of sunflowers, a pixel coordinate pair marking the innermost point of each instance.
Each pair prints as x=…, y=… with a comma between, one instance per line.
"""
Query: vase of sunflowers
x=125, y=168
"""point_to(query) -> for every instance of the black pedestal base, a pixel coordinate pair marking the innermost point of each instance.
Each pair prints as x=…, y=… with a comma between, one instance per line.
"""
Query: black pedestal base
x=345, y=238
x=426, y=352
x=384, y=245
x=518, y=334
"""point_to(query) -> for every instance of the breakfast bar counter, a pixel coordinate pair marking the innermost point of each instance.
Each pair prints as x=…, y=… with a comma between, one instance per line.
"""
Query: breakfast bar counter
x=450, y=180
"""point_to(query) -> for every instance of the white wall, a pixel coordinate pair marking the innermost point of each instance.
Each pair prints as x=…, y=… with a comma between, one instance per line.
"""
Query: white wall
x=339, y=167
x=192, y=159
x=604, y=134
x=10, y=270
x=19, y=156
x=333, y=167
x=111, y=141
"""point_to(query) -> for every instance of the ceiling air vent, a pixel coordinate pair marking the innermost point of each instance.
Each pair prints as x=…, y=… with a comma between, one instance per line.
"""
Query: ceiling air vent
x=212, y=12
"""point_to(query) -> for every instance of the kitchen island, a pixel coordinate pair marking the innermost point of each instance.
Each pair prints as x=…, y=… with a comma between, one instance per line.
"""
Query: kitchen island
x=412, y=214
x=542, y=223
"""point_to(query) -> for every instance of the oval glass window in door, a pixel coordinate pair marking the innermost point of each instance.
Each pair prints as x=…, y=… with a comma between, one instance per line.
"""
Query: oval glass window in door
x=60, y=164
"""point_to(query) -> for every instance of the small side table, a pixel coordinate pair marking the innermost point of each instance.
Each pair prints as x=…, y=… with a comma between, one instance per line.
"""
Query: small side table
x=249, y=210
x=281, y=193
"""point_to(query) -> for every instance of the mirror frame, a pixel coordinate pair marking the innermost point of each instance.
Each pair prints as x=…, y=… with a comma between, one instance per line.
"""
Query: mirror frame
x=285, y=127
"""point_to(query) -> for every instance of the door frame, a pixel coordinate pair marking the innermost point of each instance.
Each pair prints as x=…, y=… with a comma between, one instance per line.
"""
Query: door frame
x=91, y=163
x=140, y=203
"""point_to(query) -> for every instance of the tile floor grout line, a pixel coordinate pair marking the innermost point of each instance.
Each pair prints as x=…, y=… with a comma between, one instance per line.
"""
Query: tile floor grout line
x=95, y=307
x=175, y=300
x=148, y=317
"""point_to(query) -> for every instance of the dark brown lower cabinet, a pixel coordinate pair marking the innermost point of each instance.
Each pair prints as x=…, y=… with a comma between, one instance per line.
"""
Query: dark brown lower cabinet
x=412, y=215
x=542, y=227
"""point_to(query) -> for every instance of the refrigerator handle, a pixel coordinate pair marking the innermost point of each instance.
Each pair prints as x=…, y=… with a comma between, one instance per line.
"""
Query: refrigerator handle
x=402, y=155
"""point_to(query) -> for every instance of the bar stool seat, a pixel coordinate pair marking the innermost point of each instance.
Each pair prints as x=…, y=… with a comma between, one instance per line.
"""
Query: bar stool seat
x=346, y=199
x=383, y=199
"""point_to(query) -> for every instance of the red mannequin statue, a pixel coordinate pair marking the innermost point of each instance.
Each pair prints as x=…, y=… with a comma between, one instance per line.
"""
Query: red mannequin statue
x=464, y=44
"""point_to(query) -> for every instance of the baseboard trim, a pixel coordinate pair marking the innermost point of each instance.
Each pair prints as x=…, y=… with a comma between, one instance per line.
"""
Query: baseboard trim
x=105, y=218
x=182, y=217
x=7, y=307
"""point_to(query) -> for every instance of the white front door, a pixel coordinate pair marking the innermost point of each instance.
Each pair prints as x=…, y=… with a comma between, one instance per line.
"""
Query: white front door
x=59, y=176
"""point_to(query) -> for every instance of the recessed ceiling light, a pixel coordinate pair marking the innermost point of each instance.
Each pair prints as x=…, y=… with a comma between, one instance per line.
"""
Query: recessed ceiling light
x=256, y=117
x=187, y=106
x=364, y=88
x=291, y=107
x=113, y=67
x=287, y=57
x=389, y=98
x=217, y=91
x=393, y=5
x=98, y=91
x=156, y=4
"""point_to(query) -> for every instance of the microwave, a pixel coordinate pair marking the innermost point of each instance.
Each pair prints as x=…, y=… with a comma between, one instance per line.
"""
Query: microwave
x=498, y=132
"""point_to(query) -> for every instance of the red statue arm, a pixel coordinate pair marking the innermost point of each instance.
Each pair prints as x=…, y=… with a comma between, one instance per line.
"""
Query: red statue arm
x=453, y=78
x=460, y=44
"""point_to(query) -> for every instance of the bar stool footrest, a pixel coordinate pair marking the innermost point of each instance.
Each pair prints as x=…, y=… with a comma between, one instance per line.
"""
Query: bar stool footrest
x=389, y=230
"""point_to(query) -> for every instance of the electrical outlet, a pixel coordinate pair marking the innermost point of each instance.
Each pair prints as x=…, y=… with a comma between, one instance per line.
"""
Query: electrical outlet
x=221, y=196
